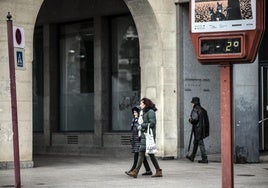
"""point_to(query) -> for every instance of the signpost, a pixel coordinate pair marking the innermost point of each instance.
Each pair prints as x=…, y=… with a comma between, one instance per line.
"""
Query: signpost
x=226, y=32
x=13, y=102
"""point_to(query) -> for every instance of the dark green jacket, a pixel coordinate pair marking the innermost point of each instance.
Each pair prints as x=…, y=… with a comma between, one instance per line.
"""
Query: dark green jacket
x=148, y=117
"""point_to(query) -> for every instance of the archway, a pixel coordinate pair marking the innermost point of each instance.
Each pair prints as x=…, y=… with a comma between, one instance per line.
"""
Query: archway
x=87, y=29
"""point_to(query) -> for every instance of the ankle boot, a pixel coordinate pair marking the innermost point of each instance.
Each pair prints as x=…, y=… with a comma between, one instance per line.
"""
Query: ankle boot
x=134, y=173
x=127, y=172
x=158, y=173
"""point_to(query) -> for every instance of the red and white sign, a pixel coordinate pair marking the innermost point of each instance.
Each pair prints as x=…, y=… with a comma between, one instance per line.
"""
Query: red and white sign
x=18, y=37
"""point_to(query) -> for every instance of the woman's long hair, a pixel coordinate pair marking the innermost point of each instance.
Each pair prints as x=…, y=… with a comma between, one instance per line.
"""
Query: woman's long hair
x=148, y=104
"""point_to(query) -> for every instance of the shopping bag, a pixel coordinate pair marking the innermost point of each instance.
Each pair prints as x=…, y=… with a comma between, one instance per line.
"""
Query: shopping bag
x=150, y=143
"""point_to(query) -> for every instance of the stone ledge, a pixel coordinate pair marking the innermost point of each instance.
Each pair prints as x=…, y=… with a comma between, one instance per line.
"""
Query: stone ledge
x=10, y=164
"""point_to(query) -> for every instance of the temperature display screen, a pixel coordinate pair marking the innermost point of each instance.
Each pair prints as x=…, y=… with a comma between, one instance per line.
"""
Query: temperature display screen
x=220, y=46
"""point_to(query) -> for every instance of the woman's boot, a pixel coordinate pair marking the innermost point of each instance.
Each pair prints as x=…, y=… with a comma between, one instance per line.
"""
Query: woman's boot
x=134, y=173
x=158, y=173
x=127, y=172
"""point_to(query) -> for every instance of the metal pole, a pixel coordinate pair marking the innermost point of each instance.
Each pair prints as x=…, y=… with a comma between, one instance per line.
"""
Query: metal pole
x=226, y=81
x=13, y=101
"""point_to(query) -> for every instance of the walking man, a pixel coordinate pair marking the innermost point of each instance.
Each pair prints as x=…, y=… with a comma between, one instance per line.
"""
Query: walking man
x=200, y=127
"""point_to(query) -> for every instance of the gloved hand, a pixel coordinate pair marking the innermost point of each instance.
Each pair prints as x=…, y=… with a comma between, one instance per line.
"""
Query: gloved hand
x=190, y=120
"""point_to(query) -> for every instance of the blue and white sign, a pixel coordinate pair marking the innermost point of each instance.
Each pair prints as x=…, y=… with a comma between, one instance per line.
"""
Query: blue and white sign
x=222, y=15
x=19, y=58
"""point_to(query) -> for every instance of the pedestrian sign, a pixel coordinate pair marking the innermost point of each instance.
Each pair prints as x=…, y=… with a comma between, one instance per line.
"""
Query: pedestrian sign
x=19, y=58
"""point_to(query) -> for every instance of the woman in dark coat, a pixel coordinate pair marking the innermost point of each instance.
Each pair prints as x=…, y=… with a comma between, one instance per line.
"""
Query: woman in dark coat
x=135, y=143
x=148, y=117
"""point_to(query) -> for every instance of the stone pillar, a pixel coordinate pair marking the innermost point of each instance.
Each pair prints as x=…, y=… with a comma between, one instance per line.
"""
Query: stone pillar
x=158, y=63
x=101, y=80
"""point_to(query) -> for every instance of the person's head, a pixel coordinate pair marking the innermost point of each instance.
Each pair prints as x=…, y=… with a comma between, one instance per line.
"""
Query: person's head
x=135, y=111
x=195, y=101
x=147, y=103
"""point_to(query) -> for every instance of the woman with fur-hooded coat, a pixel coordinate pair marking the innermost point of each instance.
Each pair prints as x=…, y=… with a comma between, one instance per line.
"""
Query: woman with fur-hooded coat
x=135, y=143
x=147, y=116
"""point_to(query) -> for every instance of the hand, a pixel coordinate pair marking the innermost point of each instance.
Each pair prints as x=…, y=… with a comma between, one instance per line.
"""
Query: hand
x=140, y=120
x=190, y=120
x=139, y=127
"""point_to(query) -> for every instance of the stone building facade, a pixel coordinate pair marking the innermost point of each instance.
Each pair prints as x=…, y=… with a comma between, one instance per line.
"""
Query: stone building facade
x=88, y=62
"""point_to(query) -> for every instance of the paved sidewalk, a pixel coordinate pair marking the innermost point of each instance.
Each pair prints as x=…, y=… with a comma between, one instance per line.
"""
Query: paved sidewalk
x=103, y=172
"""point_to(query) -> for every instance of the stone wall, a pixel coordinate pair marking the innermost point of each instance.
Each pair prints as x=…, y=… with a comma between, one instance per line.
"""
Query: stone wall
x=24, y=13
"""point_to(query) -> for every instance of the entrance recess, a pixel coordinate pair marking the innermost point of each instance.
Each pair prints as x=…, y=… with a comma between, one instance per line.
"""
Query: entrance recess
x=264, y=108
x=263, y=90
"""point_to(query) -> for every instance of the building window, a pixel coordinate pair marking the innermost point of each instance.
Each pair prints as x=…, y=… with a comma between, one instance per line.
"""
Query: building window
x=125, y=71
x=77, y=77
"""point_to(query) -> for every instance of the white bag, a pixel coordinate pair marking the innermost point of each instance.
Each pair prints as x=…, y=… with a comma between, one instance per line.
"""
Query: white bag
x=150, y=143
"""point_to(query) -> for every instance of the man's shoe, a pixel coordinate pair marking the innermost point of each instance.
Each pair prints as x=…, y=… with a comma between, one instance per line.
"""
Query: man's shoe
x=147, y=173
x=203, y=161
x=190, y=158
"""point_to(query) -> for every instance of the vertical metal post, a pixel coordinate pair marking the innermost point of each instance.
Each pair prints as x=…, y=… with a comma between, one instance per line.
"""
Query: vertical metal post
x=13, y=101
x=226, y=80
x=262, y=109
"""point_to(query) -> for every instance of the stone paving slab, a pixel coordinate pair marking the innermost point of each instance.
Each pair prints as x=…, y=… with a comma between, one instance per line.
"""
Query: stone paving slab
x=103, y=172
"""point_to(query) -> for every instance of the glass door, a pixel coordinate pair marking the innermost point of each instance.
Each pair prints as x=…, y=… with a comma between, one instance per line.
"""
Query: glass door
x=125, y=71
x=77, y=77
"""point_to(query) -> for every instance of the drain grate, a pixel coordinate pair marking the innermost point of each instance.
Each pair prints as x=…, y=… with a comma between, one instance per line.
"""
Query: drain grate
x=72, y=139
x=7, y=185
x=40, y=184
x=125, y=140
x=247, y=175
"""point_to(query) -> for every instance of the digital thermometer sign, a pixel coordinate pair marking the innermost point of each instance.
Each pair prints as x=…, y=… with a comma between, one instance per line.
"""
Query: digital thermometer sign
x=221, y=46
x=226, y=32
x=228, y=47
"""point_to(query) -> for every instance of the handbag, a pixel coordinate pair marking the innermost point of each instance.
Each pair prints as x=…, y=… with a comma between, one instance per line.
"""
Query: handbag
x=150, y=143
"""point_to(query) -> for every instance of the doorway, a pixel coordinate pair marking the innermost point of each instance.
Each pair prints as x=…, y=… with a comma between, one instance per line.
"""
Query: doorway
x=263, y=123
x=263, y=96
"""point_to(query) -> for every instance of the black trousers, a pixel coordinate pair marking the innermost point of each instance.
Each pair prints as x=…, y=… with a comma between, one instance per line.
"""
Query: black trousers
x=201, y=145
